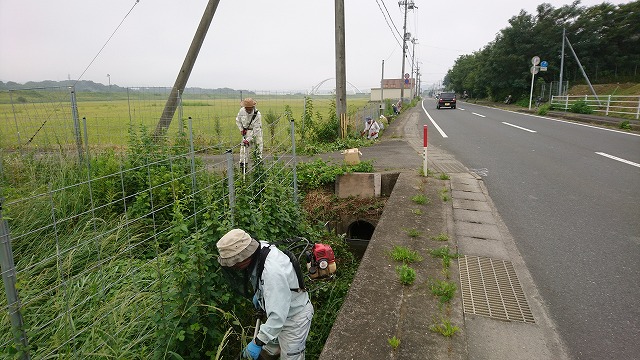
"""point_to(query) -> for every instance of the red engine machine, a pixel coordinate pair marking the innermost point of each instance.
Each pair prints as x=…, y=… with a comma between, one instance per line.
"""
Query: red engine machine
x=321, y=262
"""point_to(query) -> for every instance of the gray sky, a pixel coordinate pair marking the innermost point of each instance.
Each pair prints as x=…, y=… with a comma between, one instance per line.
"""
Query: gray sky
x=253, y=45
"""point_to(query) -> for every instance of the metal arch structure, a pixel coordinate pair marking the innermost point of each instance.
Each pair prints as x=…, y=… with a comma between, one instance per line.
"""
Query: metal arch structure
x=316, y=87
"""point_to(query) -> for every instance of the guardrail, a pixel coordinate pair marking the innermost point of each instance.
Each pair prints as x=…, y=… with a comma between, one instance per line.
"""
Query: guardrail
x=607, y=104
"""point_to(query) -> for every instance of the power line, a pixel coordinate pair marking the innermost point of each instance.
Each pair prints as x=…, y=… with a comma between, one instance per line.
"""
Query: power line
x=387, y=21
x=105, y=44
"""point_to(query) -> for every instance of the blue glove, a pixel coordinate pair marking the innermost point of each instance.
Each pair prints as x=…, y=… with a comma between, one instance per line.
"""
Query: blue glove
x=252, y=351
x=255, y=301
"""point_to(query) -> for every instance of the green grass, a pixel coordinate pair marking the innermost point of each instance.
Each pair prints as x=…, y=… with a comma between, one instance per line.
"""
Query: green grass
x=406, y=274
x=441, y=237
x=416, y=211
x=394, y=342
x=46, y=116
x=413, y=232
x=404, y=254
x=445, y=328
x=444, y=194
x=420, y=199
x=444, y=290
x=444, y=176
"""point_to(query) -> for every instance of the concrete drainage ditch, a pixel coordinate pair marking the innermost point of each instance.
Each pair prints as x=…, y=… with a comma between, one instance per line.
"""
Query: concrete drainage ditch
x=359, y=226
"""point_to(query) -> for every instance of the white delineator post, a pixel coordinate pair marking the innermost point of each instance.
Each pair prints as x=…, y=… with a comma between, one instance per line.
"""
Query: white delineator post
x=424, y=165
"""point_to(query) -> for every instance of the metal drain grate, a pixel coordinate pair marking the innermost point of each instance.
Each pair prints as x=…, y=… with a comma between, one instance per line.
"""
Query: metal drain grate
x=491, y=288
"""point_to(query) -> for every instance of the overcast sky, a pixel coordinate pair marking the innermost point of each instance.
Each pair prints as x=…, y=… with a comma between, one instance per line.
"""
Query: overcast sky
x=251, y=44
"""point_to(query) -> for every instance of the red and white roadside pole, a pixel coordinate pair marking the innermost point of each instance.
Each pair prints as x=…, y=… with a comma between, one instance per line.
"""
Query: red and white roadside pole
x=424, y=165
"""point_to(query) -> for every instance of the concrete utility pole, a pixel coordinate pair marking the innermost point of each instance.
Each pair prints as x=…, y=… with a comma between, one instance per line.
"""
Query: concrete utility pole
x=561, y=63
x=341, y=72
x=408, y=4
x=185, y=70
x=382, y=85
x=413, y=56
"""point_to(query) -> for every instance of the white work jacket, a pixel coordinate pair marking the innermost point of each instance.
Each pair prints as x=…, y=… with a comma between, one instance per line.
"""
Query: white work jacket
x=243, y=121
x=275, y=295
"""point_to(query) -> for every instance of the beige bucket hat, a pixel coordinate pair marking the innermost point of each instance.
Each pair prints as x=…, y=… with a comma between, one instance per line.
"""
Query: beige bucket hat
x=248, y=102
x=235, y=246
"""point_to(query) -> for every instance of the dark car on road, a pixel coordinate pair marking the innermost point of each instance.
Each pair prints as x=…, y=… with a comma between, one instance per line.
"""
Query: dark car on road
x=446, y=99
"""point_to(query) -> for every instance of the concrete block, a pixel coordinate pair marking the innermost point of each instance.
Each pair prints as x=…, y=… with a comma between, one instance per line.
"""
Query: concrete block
x=358, y=184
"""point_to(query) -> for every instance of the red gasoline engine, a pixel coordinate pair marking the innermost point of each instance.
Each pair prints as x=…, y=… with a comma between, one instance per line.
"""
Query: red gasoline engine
x=321, y=262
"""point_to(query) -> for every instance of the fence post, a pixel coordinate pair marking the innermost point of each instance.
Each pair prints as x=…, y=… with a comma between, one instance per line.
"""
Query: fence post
x=192, y=153
x=8, y=269
x=608, y=103
x=293, y=149
x=638, y=109
x=180, y=122
x=193, y=167
x=76, y=122
x=232, y=192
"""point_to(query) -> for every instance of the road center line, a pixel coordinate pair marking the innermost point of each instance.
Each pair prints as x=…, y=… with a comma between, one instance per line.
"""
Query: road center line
x=519, y=127
x=476, y=114
x=618, y=159
x=433, y=122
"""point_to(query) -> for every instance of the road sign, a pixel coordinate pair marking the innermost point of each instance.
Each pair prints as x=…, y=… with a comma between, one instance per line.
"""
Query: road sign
x=406, y=76
x=543, y=65
x=535, y=60
x=535, y=69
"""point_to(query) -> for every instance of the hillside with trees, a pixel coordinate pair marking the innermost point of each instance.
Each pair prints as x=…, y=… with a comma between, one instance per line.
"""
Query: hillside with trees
x=605, y=37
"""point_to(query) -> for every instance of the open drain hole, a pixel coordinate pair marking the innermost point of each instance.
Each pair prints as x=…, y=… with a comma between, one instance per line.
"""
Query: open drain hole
x=359, y=233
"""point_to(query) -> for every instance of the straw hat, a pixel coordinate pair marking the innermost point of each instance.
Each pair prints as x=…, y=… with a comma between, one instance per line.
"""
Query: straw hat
x=248, y=102
x=235, y=246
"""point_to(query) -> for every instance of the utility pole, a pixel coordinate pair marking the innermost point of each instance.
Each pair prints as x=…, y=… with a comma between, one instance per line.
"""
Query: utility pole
x=341, y=72
x=413, y=56
x=185, y=70
x=561, y=63
x=408, y=4
x=382, y=86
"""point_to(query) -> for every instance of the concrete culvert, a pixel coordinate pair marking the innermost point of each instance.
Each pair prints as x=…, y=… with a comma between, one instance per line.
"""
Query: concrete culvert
x=358, y=235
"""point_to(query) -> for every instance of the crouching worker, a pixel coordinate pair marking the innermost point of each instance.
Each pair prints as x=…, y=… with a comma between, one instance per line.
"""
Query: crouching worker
x=277, y=290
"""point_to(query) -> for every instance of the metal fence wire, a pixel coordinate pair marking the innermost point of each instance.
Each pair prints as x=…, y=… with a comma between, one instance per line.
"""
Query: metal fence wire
x=89, y=199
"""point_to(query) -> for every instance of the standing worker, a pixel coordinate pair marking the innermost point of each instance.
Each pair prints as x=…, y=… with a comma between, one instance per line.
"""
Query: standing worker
x=249, y=122
x=277, y=291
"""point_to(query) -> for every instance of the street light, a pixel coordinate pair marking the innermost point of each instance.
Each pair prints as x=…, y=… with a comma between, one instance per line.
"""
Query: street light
x=109, y=76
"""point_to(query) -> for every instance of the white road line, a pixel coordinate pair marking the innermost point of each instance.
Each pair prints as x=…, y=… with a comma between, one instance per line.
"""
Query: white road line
x=433, y=122
x=476, y=114
x=618, y=159
x=519, y=127
x=569, y=122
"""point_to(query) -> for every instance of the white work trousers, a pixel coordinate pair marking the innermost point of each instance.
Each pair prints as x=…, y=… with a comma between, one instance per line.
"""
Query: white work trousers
x=293, y=337
x=245, y=154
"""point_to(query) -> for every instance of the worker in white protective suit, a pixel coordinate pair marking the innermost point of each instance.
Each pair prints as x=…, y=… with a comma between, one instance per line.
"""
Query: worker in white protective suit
x=372, y=129
x=249, y=122
x=277, y=291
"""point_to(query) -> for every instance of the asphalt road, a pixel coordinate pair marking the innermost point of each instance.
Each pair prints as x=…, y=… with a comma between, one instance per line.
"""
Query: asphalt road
x=570, y=196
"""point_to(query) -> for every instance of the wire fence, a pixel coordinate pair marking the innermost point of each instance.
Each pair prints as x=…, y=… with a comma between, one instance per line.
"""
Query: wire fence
x=89, y=199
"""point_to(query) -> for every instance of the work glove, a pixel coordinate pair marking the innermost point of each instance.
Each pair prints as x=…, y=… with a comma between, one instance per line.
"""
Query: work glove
x=245, y=142
x=252, y=351
x=256, y=304
x=243, y=132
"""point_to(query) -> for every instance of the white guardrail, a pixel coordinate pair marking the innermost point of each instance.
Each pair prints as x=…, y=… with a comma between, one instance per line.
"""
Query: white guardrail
x=607, y=104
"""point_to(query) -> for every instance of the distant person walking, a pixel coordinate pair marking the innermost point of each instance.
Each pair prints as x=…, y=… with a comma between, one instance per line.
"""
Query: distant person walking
x=249, y=122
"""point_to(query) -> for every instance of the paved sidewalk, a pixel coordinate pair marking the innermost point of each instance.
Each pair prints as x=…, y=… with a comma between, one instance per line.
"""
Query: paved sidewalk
x=498, y=307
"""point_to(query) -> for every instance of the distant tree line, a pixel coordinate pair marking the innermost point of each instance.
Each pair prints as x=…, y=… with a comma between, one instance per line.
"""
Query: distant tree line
x=605, y=37
x=90, y=86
